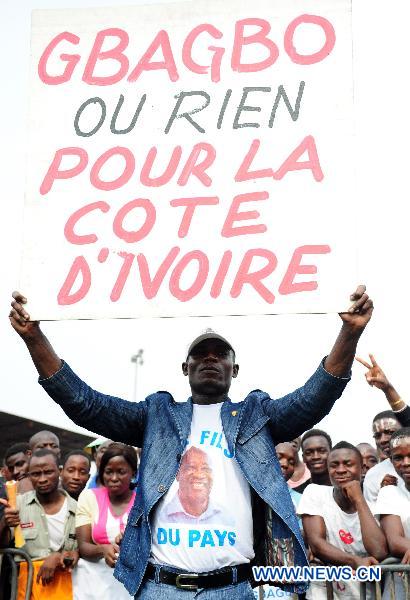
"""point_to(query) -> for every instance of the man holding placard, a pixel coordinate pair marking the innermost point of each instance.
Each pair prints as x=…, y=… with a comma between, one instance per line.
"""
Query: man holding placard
x=256, y=522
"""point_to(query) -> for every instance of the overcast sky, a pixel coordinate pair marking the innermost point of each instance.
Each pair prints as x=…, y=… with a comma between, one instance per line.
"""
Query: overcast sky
x=276, y=353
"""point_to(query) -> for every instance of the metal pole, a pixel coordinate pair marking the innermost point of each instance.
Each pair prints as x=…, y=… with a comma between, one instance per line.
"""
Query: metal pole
x=30, y=570
x=137, y=360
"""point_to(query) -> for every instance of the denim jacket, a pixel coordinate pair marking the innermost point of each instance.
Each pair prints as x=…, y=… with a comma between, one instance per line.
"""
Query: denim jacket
x=161, y=426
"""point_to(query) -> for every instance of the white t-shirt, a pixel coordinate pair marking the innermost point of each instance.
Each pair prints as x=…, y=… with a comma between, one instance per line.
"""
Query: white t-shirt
x=373, y=479
x=204, y=521
x=342, y=531
x=55, y=526
x=393, y=500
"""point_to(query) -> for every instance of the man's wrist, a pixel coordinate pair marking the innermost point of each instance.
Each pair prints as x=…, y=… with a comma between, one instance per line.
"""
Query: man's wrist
x=359, y=501
x=393, y=398
x=35, y=338
x=353, y=330
x=398, y=405
x=351, y=560
x=54, y=558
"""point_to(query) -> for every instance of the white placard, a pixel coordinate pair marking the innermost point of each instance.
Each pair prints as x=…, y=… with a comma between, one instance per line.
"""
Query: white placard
x=190, y=159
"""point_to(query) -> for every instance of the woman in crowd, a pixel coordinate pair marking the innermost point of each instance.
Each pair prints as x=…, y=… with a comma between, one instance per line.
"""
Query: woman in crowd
x=101, y=517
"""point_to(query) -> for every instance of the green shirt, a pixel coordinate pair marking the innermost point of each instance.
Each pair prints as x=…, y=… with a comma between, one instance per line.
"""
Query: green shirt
x=33, y=523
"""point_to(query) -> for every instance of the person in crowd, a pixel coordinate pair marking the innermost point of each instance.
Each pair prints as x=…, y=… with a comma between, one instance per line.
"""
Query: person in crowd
x=17, y=459
x=376, y=377
x=287, y=453
x=384, y=425
x=91, y=449
x=75, y=472
x=393, y=507
x=301, y=472
x=370, y=457
x=97, y=453
x=393, y=502
x=245, y=434
x=46, y=516
x=316, y=445
x=102, y=514
x=339, y=526
x=45, y=440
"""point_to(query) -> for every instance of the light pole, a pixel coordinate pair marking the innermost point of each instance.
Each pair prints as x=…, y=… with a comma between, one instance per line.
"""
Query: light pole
x=137, y=360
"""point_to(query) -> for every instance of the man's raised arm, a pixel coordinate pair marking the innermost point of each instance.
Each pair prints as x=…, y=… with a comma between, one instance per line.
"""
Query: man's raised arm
x=340, y=360
x=105, y=415
x=314, y=400
x=42, y=353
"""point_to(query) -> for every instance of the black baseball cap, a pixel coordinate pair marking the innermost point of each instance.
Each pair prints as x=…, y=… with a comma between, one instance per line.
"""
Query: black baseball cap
x=209, y=334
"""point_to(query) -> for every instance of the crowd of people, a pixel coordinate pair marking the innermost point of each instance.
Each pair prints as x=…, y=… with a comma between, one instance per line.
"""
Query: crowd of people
x=353, y=504
x=198, y=519
x=71, y=518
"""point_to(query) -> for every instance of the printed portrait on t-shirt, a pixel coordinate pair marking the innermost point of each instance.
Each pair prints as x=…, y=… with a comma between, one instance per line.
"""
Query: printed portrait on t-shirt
x=193, y=502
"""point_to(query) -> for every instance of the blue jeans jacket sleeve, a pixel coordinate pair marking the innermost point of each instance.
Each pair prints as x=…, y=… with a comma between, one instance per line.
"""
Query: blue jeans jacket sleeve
x=300, y=410
x=107, y=416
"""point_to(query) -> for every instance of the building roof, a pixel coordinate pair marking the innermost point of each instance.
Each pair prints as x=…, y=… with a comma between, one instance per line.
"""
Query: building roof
x=16, y=429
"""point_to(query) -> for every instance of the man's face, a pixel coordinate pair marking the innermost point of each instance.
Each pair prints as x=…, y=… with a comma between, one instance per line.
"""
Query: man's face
x=369, y=457
x=210, y=367
x=286, y=455
x=315, y=452
x=47, y=442
x=400, y=457
x=344, y=465
x=195, y=480
x=383, y=429
x=75, y=474
x=17, y=465
x=44, y=474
